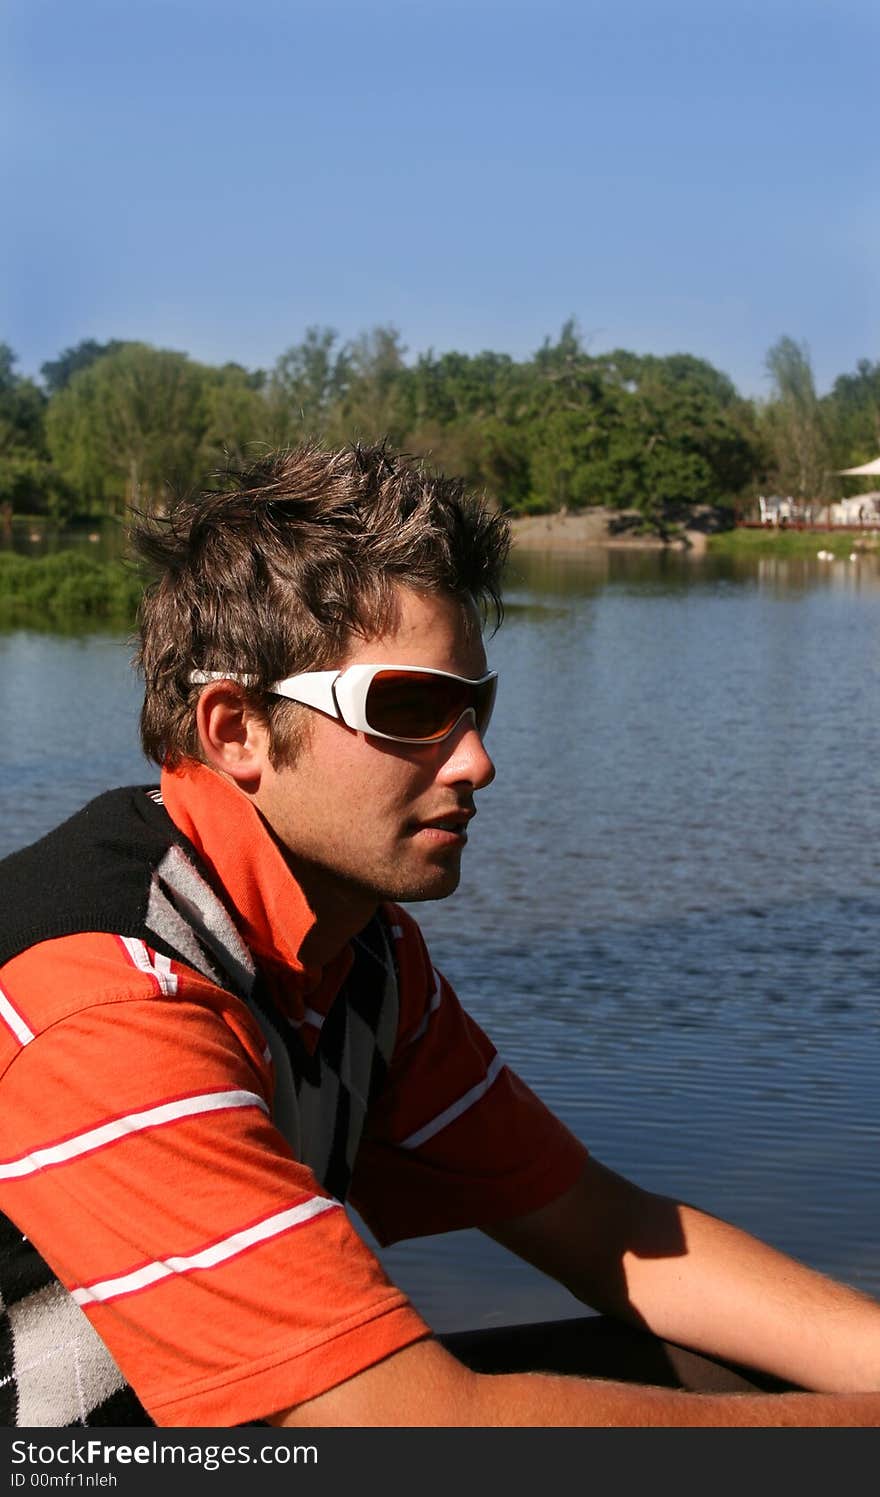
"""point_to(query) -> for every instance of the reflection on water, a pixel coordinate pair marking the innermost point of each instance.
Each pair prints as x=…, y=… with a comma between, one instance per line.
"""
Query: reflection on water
x=572, y=573
x=669, y=911
x=102, y=538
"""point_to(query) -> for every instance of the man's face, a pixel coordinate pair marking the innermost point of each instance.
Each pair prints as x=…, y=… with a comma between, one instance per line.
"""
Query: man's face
x=365, y=819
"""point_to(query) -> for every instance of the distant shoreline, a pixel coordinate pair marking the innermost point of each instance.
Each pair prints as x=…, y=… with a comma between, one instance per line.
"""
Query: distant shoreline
x=589, y=530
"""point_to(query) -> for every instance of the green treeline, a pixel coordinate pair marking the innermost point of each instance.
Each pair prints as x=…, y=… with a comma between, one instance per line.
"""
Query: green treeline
x=115, y=424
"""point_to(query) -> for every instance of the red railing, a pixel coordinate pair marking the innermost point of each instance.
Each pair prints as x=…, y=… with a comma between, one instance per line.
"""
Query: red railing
x=806, y=525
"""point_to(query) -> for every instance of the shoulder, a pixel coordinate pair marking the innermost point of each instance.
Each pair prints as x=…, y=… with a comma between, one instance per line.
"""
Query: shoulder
x=90, y=873
x=67, y=982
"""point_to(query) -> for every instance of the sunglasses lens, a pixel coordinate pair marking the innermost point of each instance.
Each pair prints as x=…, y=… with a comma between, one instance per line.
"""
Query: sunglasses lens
x=484, y=701
x=424, y=708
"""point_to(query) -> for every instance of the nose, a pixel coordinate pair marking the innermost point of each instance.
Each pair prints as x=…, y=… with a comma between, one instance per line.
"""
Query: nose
x=466, y=758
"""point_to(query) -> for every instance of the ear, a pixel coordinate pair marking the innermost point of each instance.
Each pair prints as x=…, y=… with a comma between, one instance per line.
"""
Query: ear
x=234, y=739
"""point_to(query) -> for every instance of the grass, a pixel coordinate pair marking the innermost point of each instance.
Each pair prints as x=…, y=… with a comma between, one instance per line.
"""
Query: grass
x=66, y=588
x=787, y=542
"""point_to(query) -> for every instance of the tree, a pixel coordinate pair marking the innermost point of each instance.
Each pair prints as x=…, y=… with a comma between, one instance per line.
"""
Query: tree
x=128, y=425
x=57, y=373
x=571, y=414
x=456, y=387
x=237, y=419
x=26, y=478
x=22, y=407
x=852, y=415
x=464, y=413
x=629, y=431
x=372, y=406
x=307, y=384
x=685, y=431
x=795, y=424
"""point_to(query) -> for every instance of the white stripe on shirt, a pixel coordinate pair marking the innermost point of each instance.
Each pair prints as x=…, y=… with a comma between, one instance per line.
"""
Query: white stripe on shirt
x=443, y=1119
x=9, y=1013
x=433, y=1005
x=133, y=1122
x=209, y=1257
x=310, y=1016
x=158, y=967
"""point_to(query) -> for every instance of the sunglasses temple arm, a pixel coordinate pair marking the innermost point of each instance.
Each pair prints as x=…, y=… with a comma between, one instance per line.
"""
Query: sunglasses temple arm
x=312, y=689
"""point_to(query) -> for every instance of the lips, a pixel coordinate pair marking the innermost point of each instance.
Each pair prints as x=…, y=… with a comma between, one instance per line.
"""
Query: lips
x=454, y=821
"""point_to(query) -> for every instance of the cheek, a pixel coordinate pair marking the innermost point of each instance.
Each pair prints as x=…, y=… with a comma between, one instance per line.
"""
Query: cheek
x=381, y=786
x=366, y=777
x=395, y=769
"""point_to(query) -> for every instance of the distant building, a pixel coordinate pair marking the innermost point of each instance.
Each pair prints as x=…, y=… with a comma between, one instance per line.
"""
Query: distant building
x=856, y=509
x=776, y=510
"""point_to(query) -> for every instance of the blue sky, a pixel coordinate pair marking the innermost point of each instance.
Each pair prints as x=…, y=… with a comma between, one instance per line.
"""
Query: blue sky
x=216, y=175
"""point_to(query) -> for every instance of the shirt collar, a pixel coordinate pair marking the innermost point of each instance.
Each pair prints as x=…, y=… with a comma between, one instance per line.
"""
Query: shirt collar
x=267, y=904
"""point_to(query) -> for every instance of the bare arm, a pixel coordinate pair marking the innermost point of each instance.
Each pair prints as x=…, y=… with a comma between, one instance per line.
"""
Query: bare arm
x=424, y=1386
x=682, y=1274
x=695, y=1280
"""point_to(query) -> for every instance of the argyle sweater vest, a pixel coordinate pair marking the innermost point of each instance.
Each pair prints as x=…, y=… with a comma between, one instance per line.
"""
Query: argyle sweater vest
x=121, y=866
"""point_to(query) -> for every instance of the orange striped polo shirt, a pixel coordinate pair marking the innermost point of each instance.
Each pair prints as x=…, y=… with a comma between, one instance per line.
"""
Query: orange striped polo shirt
x=139, y=1155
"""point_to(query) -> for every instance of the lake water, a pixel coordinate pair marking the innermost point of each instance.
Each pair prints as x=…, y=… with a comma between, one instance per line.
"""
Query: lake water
x=668, y=919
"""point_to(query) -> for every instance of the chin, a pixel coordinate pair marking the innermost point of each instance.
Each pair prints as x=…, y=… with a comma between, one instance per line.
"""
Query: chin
x=438, y=884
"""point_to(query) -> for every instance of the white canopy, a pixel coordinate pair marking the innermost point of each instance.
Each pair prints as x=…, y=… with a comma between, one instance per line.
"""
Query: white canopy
x=873, y=467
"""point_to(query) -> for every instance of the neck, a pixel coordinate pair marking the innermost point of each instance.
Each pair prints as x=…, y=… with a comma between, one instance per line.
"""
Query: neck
x=340, y=909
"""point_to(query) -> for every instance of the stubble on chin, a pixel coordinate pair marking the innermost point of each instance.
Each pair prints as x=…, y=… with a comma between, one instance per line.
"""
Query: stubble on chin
x=392, y=880
x=436, y=884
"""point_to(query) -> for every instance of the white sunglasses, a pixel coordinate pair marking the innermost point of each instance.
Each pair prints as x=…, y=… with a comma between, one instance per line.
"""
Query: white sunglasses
x=404, y=703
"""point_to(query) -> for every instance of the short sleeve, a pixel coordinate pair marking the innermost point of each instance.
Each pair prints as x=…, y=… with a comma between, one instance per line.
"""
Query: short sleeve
x=456, y=1139
x=140, y=1159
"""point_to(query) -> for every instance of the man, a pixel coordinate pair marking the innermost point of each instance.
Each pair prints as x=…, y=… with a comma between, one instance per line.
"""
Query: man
x=217, y=1023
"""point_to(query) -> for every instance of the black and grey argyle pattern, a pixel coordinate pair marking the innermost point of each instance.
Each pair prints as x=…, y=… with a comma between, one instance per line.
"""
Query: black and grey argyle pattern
x=54, y=1368
x=335, y=1084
